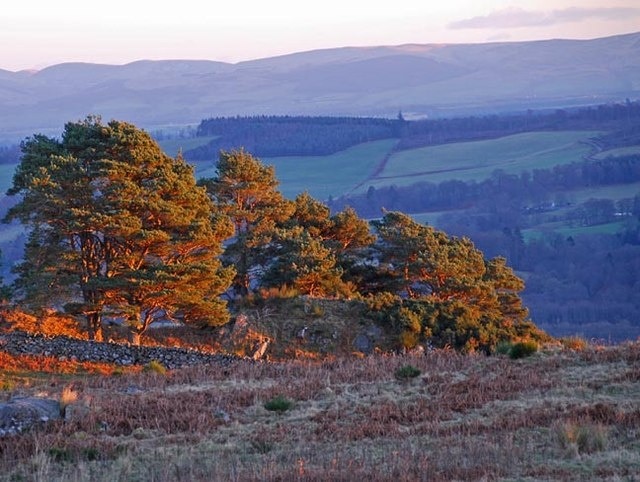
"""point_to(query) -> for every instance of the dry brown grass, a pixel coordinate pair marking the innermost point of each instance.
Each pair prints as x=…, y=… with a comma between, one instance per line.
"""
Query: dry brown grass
x=21, y=364
x=562, y=415
x=48, y=323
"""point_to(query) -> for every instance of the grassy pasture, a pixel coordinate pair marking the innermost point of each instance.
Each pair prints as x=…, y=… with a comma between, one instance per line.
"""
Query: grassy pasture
x=579, y=196
x=566, y=230
x=432, y=217
x=615, y=192
x=620, y=151
x=467, y=161
x=333, y=175
x=608, y=228
x=321, y=176
x=173, y=146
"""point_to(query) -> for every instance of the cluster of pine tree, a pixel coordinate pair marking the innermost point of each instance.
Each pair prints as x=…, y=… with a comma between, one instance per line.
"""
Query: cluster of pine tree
x=120, y=230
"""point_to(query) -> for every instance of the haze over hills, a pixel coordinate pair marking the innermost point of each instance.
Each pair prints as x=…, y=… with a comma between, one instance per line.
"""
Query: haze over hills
x=419, y=80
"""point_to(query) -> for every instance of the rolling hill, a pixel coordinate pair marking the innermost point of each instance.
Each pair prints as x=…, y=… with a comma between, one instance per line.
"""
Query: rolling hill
x=420, y=80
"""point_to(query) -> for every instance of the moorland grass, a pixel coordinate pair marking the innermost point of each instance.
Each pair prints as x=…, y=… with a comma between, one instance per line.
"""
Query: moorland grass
x=561, y=415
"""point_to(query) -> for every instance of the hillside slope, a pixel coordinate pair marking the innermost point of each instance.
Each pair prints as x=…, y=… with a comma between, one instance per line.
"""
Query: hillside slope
x=417, y=79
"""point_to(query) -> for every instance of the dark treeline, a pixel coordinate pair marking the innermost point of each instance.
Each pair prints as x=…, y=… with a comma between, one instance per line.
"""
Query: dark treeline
x=584, y=280
x=585, y=283
x=629, y=136
x=421, y=133
x=272, y=136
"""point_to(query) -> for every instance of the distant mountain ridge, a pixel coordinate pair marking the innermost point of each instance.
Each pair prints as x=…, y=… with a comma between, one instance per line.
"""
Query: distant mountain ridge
x=419, y=80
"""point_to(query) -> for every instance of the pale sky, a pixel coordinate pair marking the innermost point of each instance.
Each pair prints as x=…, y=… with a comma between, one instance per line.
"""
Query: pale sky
x=38, y=33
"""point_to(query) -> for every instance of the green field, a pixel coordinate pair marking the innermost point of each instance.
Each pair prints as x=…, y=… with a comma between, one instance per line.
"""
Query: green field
x=621, y=151
x=432, y=217
x=615, y=192
x=477, y=160
x=333, y=175
x=173, y=146
x=322, y=176
x=565, y=230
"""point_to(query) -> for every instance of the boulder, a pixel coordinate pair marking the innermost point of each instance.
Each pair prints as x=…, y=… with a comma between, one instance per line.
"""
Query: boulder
x=363, y=344
x=21, y=413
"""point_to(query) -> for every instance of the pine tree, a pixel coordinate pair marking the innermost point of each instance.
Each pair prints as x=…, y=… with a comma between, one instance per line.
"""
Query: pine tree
x=300, y=260
x=246, y=191
x=447, y=290
x=118, y=228
x=312, y=250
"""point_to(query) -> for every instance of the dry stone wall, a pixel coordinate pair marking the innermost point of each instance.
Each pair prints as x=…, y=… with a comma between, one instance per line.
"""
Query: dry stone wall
x=21, y=343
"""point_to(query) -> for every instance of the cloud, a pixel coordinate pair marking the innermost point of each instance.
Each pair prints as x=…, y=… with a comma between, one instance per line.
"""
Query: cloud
x=518, y=17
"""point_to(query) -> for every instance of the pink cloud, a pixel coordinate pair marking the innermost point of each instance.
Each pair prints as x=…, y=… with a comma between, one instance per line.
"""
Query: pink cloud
x=517, y=17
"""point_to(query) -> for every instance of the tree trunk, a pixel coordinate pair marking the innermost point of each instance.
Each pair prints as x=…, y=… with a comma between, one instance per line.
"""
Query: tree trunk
x=135, y=337
x=94, y=327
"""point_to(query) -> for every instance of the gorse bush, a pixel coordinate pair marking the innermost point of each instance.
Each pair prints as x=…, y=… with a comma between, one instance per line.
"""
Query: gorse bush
x=155, y=367
x=523, y=349
x=503, y=348
x=407, y=372
x=278, y=404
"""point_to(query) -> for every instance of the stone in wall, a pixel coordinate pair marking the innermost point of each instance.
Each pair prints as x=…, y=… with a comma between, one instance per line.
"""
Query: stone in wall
x=22, y=343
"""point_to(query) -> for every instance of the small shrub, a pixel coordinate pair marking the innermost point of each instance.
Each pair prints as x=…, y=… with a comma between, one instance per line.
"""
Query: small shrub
x=7, y=385
x=155, y=367
x=406, y=372
x=91, y=454
x=67, y=397
x=523, y=349
x=317, y=311
x=574, y=343
x=60, y=454
x=381, y=301
x=408, y=339
x=262, y=446
x=66, y=454
x=579, y=439
x=278, y=404
x=503, y=348
x=279, y=292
